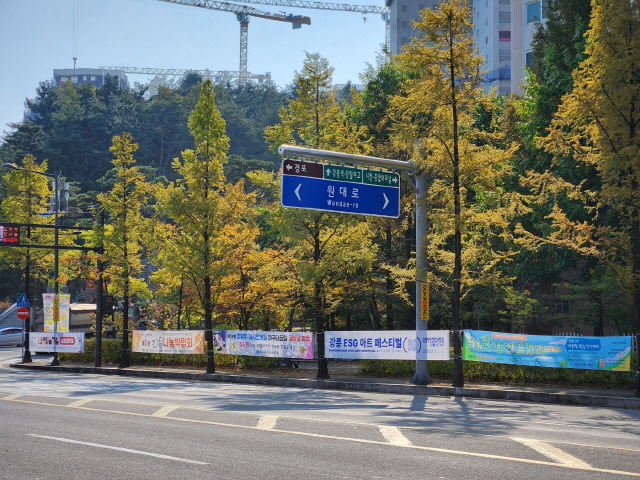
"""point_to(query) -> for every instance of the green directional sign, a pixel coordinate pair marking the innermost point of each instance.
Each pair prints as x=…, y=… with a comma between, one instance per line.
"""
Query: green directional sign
x=345, y=174
x=376, y=177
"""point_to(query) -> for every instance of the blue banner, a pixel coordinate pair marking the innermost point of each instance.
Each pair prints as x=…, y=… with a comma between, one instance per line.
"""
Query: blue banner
x=589, y=353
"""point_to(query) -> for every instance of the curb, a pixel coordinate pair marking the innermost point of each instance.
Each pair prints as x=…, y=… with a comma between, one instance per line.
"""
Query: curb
x=632, y=403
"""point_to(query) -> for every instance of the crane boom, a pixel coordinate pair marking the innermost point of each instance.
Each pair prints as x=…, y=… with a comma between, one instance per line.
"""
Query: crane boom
x=242, y=9
x=243, y=13
x=219, y=75
x=342, y=7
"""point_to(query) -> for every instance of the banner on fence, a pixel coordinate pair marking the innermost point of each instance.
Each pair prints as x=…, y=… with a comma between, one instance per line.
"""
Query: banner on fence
x=186, y=342
x=388, y=345
x=56, y=308
x=264, y=344
x=589, y=353
x=64, y=342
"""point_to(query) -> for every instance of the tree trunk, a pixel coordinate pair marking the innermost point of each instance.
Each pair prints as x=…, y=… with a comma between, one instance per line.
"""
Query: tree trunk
x=458, y=380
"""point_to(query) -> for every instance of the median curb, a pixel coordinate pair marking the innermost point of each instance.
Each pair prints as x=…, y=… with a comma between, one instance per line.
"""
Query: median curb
x=600, y=398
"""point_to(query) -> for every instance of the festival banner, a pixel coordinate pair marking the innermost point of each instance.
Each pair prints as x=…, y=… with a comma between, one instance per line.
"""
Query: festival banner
x=589, y=353
x=186, y=342
x=63, y=342
x=388, y=345
x=50, y=306
x=264, y=344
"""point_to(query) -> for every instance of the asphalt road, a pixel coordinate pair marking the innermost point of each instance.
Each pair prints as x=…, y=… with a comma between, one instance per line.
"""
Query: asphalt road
x=73, y=426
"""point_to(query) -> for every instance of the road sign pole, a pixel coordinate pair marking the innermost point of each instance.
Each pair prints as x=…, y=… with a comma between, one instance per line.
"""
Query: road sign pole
x=24, y=314
x=421, y=377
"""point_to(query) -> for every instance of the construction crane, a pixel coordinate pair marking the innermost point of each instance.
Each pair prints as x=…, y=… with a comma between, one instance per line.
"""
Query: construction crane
x=219, y=76
x=243, y=13
x=341, y=7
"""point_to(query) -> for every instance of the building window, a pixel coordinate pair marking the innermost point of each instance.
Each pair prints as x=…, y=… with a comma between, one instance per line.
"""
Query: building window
x=93, y=79
x=533, y=12
x=504, y=17
x=405, y=24
x=504, y=55
x=504, y=35
x=529, y=60
x=74, y=79
x=404, y=8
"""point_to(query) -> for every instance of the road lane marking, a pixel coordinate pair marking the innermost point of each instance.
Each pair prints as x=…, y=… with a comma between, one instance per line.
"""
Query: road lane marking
x=81, y=402
x=164, y=411
x=120, y=449
x=356, y=440
x=554, y=453
x=267, y=422
x=394, y=436
x=12, y=397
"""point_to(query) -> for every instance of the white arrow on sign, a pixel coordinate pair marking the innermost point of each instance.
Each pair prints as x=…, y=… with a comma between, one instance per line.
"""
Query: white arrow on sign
x=386, y=200
x=297, y=191
x=289, y=167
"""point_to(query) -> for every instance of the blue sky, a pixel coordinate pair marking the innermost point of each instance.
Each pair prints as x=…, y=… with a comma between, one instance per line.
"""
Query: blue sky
x=37, y=36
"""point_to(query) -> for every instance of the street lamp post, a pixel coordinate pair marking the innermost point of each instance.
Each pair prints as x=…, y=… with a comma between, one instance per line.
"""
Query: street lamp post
x=56, y=205
x=56, y=298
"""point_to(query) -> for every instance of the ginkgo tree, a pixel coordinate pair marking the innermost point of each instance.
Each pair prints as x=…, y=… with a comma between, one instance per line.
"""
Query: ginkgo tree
x=314, y=118
x=124, y=230
x=26, y=196
x=209, y=217
x=598, y=124
x=436, y=118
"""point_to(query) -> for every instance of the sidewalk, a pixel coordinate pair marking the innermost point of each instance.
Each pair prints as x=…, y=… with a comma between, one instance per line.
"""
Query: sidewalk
x=306, y=379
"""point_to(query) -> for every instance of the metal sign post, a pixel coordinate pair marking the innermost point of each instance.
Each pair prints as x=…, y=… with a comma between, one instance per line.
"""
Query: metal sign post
x=310, y=185
x=23, y=304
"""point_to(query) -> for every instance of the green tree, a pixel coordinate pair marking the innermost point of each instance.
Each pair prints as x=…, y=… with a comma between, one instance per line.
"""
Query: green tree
x=314, y=118
x=27, y=195
x=438, y=114
x=123, y=232
x=599, y=124
x=208, y=214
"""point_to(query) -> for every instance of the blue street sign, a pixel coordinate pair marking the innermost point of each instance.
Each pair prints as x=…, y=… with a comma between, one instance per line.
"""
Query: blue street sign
x=339, y=196
x=23, y=301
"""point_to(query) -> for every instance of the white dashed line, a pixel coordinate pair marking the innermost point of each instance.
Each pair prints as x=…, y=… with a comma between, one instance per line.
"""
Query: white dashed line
x=121, y=449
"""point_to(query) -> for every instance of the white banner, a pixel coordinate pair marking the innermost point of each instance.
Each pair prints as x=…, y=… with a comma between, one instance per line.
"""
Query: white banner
x=388, y=345
x=64, y=342
x=168, y=341
x=264, y=344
